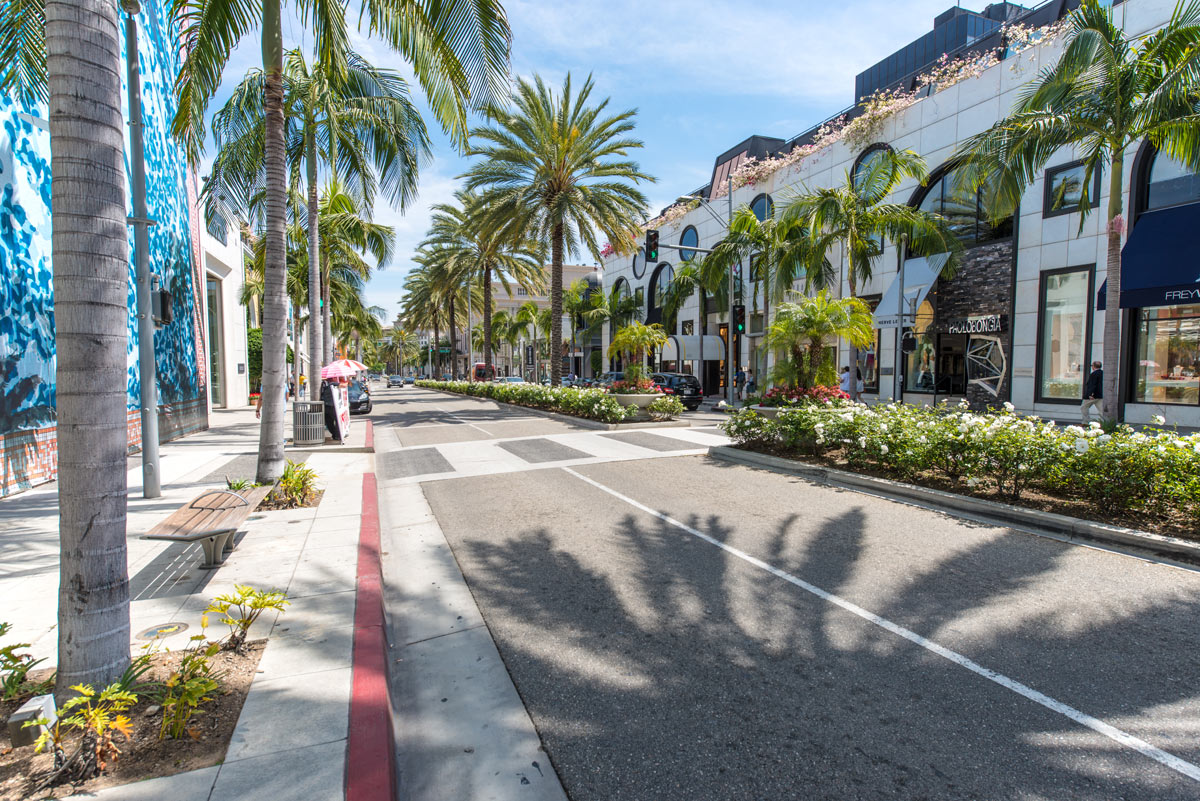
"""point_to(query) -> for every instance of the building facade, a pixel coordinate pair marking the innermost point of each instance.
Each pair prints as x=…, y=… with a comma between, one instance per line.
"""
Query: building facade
x=227, y=356
x=1023, y=318
x=28, y=443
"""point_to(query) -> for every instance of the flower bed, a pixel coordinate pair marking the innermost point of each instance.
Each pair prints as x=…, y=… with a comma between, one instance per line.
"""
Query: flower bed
x=793, y=396
x=1145, y=479
x=593, y=404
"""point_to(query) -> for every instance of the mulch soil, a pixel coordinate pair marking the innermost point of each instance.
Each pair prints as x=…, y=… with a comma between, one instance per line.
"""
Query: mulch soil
x=144, y=755
x=1170, y=522
x=270, y=504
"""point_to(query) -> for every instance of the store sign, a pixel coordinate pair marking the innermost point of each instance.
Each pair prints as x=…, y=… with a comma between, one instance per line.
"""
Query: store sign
x=986, y=324
x=529, y=355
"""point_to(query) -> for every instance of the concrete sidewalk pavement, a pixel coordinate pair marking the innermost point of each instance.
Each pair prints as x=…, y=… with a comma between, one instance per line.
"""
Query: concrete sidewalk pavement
x=290, y=739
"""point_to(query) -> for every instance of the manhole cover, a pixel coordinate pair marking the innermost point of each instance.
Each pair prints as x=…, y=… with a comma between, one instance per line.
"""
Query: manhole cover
x=161, y=630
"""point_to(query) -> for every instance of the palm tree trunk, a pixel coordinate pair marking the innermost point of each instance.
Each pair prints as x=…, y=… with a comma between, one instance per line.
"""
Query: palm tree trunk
x=296, y=346
x=437, y=348
x=315, y=323
x=270, y=442
x=453, y=337
x=556, y=280
x=91, y=286
x=487, y=314
x=851, y=275
x=1112, y=309
x=326, y=319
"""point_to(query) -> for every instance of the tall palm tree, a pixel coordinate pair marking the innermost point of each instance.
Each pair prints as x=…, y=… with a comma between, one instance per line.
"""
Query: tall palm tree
x=856, y=218
x=422, y=307
x=1108, y=92
x=526, y=320
x=458, y=51
x=556, y=169
x=574, y=303
x=472, y=242
x=803, y=328
x=614, y=309
x=356, y=120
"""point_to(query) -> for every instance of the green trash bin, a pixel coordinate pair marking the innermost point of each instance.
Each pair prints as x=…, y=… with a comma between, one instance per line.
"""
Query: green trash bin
x=308, y=423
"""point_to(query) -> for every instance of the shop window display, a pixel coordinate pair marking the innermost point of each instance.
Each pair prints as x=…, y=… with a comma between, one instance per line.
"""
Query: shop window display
x=1168, y=356
x=1063, y=346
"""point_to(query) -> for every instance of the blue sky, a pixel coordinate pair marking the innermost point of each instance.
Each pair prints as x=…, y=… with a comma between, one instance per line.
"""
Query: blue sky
x=703, y=75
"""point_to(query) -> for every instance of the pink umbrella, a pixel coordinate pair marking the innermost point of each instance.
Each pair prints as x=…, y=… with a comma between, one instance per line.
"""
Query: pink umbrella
x=342, y=368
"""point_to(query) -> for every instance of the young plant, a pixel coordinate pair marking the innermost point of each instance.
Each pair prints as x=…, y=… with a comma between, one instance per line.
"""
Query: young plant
x=187, y=690
x=665, y=408
x=238, y=484
x=296, y=486
x=240, y=609
x=14, y=668
x=98, y=719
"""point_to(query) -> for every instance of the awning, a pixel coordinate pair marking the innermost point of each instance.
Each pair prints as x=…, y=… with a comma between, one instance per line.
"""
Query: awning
x=1160, y=264
x=920, y=274
x=681, y=348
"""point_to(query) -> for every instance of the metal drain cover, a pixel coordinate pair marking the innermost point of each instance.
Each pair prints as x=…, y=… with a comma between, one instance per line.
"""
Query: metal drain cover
x=161, y=630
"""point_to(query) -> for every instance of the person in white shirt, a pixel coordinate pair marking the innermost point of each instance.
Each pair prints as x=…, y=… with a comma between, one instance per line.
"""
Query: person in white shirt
x=847, y=382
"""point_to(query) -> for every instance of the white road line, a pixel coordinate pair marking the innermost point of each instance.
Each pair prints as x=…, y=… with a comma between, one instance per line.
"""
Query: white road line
x=1082, y=718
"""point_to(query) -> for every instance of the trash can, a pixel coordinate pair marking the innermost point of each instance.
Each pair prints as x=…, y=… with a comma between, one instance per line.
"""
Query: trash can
x=308, y=423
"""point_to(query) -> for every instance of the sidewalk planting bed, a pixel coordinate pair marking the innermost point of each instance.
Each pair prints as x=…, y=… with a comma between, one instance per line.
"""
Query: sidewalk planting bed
x=1148, y=479
x=591, y=404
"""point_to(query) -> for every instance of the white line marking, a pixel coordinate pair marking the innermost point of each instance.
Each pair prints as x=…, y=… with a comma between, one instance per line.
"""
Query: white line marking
x=1082, y=718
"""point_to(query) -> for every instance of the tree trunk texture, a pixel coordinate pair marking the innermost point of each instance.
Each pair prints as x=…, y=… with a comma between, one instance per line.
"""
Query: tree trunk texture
x=436, y=361
x=315, y=323
x=296, y=346
x=851, y=275
x=91, y=292
x=326, y=321
x=453, y=334
x=274, y=404
x=556, y=281
x=1112, y=311
x=487, y=314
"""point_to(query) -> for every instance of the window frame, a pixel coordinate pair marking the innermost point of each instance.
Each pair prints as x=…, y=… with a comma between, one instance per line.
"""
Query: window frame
x=692, y=253
x=863, y=156
x=1089, y=303
x=1135, y=341
x=770, y=206
x=1094, y=195
x=937, y=178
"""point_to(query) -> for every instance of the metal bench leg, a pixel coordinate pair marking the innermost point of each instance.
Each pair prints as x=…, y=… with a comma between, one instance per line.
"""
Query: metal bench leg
x=215, y=547
x=230, y=544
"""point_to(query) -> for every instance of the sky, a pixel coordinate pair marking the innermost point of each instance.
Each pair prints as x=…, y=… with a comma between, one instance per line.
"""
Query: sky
x=703, y=75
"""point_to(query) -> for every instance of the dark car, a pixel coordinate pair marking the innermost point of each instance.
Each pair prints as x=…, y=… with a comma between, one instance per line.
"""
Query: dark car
x=395, y=381
x=606, y=380
x=360, y=397
x=681, y=385
x=408, y=379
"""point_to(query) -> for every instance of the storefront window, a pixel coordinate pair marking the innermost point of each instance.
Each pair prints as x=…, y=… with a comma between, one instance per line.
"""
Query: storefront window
x=868, y=357
x=921, y=363
x=1168, y=353
x=688, y=327
x=964, y=212
x=1063, y=339
x=1171, y=184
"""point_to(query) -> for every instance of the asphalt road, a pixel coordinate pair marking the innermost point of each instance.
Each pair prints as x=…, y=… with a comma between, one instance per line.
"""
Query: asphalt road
x=681, y=628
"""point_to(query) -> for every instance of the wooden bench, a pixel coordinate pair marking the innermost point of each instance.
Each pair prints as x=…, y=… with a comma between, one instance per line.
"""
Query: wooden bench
x=212, y=518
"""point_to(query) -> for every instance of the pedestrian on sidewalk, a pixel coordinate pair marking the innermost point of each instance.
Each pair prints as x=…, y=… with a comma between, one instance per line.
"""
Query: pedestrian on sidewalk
x=1093, y=393
x=751, y=384
x=739, y=383
x=287, y=394
x=846, y=383
x=331, y=414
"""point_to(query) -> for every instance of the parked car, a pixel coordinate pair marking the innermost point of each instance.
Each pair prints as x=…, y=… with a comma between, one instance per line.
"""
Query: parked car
x=395, y=381
x=511, y=379
x=681, y=385
x=409, y=379
x=360, y=397
x=606, y=380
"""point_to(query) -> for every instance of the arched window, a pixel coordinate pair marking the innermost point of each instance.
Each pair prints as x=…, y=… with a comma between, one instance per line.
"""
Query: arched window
x=867, y=160
x=689, y=238
x=1170, y=183
x=663, y=275
x=639, y=258
x=963, y=209
x=763, y=207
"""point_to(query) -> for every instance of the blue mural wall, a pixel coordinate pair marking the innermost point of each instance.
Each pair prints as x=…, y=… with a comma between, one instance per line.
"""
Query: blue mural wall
x=26, y=296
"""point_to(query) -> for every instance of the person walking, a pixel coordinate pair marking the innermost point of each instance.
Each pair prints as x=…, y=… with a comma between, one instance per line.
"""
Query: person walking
x=1093, y=393
x=739, y=383
x=846, y=383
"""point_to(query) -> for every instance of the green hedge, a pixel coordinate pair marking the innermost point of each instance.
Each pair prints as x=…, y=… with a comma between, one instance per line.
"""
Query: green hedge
x=593, y=404
x=1152, y=474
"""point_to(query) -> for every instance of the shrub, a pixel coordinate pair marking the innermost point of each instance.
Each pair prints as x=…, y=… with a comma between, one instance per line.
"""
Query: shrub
x=1122, y=469
x=665, y=408
x=240, y=609
x=297, y=486
x=15, y=667
x=187, y=689
x=790, y=396
x=98, y=719
x=593, y=404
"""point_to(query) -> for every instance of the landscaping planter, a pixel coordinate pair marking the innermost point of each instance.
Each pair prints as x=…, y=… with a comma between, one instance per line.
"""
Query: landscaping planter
x=640, y=400
x=768, y=412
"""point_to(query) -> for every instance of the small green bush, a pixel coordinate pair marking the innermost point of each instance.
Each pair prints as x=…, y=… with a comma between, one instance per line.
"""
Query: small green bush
x=187, y=689
x=665, y=408
x=15, y=667
x=297, y=486
x=240, y=608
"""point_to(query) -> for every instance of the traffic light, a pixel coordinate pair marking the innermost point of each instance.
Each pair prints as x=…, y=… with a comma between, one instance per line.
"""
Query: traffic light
x=651, y=245
x=739, y=318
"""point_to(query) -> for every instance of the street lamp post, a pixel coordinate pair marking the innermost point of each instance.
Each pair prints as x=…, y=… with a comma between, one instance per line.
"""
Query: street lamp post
x=147, y=377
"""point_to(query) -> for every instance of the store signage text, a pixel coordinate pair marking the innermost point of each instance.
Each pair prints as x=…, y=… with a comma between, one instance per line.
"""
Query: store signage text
x=986, y=324
x=1182, y=295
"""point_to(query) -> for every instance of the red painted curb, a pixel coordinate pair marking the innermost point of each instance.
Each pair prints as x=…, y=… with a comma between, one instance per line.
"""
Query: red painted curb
x=370, y=442
x=370, y=752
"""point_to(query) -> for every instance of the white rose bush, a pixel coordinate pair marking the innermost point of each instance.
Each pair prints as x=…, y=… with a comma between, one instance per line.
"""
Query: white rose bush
x=1152, y=474
x=593, y=404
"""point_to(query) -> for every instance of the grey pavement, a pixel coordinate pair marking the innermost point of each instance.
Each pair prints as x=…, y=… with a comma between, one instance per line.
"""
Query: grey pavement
x=677, y=627
x=290, y=738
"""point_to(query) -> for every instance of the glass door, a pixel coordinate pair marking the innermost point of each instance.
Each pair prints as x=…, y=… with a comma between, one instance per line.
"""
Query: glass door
x=216, y=375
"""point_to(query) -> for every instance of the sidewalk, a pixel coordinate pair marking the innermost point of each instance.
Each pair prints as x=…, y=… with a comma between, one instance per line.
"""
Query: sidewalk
x=290, y=740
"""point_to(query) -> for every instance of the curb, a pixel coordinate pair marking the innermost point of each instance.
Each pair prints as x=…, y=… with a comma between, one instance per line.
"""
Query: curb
x=370, y=747
x=1060, y=527
x=567, y=418
x=369, y=438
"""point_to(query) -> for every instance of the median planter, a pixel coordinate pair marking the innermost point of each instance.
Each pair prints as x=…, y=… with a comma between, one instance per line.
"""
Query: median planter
x=768, y=412
x=639, y=400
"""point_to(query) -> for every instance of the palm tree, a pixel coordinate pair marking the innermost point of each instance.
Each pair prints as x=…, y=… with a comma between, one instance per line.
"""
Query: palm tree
x=1108, y=92
x=331, y=112
x=802, y=329
x=574, y=303
x=399, y=347
x=634, y=342
x=472, y=242
x=614, y=309
x=856, y=218
x=554, y=168
x=527, y=318
x=458, y=51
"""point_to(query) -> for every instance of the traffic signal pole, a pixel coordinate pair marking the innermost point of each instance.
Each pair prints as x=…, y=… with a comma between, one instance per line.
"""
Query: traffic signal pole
x=729, y=354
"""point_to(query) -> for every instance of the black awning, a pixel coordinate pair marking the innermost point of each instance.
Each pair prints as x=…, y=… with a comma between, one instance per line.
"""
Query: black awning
x=1160, y=263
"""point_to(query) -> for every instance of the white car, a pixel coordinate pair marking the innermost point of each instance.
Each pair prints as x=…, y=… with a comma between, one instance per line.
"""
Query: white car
x=511, y=379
